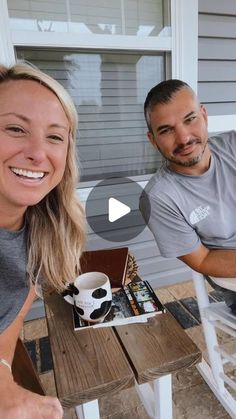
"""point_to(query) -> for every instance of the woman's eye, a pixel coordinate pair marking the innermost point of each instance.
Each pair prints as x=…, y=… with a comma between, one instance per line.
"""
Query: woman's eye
x=56, y=138
x=16, y=130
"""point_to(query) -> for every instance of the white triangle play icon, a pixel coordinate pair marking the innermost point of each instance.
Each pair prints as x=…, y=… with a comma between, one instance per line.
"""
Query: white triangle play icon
x=116, y=209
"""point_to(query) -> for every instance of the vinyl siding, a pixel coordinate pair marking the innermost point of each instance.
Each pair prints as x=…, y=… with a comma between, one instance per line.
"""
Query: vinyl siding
x=217, y=56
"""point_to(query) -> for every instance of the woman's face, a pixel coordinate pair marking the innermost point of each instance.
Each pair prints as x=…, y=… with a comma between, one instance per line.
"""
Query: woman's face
x=34, y=136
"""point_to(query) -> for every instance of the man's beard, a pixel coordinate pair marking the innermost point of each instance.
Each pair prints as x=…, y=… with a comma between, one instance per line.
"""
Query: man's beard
x=186, y=163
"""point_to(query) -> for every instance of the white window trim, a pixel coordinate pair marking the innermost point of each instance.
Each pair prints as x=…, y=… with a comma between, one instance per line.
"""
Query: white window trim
x=93, y=41
x=7, y=55
x=184, y=24
x=220, y=123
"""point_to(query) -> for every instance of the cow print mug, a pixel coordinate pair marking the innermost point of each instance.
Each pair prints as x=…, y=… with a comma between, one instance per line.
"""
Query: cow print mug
x=92, y=296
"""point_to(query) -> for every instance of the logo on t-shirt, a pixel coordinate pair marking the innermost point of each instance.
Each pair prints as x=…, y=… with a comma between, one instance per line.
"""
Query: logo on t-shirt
x=199, y=214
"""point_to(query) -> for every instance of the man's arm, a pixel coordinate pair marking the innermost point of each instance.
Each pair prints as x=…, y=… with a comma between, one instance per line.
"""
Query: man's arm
x=16, y=402
x=218, y=263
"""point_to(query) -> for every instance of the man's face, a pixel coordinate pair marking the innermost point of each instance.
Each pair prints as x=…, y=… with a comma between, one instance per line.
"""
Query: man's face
x=179, y=131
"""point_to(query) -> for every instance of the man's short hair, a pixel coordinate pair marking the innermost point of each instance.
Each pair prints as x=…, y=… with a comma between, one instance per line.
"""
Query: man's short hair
x=162, y=93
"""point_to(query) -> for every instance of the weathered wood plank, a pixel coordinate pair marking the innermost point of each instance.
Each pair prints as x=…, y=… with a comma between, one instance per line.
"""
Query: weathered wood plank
x=87, y=363
x=158, y=347
x=179, y=291
x=123, y=405
x=24, y=372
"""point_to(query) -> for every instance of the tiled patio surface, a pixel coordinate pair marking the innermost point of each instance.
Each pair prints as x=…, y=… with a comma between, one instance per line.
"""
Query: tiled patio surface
x=191, y=396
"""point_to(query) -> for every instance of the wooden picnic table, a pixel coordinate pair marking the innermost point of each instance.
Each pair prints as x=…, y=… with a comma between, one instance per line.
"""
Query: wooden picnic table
x=94, y=362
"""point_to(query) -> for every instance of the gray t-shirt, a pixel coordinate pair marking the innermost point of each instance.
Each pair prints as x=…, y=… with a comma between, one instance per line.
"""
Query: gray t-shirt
x=14, y=286
x=187, y=210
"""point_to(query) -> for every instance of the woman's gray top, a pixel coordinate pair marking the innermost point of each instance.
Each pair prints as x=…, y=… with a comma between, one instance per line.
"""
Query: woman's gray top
x=14, y=286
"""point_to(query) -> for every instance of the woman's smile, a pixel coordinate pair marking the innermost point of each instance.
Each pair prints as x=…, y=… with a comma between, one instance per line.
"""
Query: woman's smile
x=28, y=174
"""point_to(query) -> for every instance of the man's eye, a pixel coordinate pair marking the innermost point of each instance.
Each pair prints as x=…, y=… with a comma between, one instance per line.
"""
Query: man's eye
x=165, y=131
x=190, y=119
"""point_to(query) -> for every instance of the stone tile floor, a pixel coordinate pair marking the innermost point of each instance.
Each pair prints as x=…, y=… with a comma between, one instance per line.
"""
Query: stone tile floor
x=192, y=398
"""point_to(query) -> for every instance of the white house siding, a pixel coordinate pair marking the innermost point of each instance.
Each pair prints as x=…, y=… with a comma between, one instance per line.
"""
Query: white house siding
x=217, y=56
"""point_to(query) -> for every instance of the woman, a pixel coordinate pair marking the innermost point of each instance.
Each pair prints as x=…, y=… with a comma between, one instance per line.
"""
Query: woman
x=41, y=221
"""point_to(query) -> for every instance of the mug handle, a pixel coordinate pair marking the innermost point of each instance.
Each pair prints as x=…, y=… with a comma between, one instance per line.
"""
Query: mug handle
x=69, y=298
x=69, y=293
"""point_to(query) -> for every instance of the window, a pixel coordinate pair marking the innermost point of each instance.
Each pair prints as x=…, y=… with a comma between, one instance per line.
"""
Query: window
x=112, y=17
x=108, y=54
x=109, y=90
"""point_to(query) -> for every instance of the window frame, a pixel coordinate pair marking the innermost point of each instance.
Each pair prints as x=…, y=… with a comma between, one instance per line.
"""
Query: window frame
x=183, y=43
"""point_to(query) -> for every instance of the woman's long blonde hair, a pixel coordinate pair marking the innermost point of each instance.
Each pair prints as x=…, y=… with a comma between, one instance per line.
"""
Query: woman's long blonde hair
x=56, y=225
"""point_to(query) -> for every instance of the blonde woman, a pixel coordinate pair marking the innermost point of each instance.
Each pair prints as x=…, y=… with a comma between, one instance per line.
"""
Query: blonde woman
x=41, y=221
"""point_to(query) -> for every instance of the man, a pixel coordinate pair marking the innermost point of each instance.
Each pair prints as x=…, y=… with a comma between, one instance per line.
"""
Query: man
x=193, y=196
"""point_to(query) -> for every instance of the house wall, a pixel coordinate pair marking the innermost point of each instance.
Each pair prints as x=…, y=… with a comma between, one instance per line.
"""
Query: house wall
x=217, y=56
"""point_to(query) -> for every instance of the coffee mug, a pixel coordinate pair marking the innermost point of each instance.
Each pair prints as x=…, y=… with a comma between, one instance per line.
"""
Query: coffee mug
x=91, y=294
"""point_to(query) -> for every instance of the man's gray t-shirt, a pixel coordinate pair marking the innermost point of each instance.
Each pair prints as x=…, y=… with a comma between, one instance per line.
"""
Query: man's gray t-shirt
x=189, y=210
x=14, y=286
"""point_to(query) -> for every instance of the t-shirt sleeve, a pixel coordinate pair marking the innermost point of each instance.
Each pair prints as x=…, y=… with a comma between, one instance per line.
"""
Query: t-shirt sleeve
x=9, y=311
x=174, y=236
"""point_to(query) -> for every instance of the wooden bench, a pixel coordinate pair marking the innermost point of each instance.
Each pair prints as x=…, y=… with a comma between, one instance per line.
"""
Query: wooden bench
x=93, y=362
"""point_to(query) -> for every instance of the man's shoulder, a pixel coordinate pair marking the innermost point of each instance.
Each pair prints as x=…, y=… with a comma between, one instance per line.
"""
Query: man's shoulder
x=222, y=139
x=158, y=190
x=159, y=182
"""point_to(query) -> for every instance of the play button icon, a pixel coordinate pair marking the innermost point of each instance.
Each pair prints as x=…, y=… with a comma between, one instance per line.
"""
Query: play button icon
x=117, y=210
x=112, y=209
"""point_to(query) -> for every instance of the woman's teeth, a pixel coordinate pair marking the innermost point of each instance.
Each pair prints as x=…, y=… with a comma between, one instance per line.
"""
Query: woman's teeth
x=28, y=173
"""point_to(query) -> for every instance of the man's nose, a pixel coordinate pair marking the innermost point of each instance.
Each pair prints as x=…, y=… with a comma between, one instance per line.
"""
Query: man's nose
x=182, y=134
x=35, y=150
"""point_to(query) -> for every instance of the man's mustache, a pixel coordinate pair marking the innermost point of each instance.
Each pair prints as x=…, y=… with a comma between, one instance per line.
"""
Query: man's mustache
x=183, y=146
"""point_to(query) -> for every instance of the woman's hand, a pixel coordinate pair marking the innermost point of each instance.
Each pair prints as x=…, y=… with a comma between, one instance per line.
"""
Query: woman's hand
x=16, y=402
